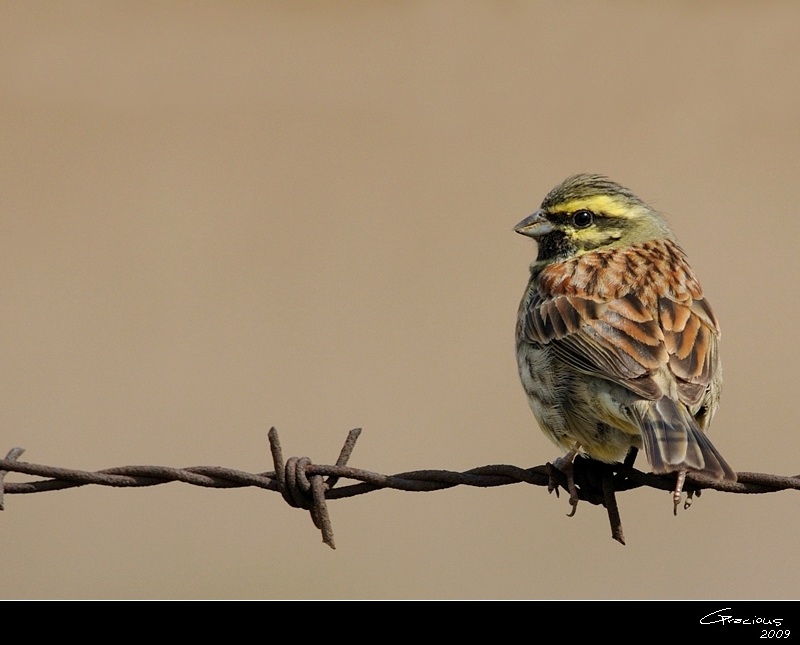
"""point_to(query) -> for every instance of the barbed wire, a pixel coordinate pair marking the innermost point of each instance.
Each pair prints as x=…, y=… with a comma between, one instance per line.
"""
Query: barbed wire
x=306, y=485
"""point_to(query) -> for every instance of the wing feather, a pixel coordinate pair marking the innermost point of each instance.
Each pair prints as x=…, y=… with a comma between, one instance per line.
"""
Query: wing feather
x=628, y=339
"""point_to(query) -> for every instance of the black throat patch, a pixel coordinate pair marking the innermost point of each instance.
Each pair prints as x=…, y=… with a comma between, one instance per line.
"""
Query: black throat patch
x=555, y=246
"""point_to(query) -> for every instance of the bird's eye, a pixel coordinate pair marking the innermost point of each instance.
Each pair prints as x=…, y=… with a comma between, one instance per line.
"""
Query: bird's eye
x=582, y=218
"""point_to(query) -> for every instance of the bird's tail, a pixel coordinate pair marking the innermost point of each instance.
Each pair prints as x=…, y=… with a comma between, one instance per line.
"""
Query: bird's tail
x=673, y=441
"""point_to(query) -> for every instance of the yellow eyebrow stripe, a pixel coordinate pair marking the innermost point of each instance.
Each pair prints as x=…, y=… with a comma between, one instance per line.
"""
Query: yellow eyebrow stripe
x=605, y=204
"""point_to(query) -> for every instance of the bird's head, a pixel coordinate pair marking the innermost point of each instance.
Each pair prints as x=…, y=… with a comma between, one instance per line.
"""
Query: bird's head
x=589, y=212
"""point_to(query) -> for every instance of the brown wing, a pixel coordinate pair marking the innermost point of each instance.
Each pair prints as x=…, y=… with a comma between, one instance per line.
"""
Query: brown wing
x=691, y=334
x=626, y=342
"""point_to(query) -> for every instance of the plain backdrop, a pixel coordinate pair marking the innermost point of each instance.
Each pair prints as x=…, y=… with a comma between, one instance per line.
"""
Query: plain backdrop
x=218, y=217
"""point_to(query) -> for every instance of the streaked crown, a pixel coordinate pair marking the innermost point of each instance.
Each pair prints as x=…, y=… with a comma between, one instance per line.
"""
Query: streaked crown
x=582, y=188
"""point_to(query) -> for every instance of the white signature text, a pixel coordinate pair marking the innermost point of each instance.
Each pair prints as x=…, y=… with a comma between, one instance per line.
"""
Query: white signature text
x=718, y=617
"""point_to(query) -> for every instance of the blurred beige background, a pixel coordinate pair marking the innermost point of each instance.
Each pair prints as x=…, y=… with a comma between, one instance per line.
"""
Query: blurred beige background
x=218, y=217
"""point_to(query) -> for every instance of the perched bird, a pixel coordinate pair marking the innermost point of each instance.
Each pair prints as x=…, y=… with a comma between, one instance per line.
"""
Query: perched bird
x=616, y=343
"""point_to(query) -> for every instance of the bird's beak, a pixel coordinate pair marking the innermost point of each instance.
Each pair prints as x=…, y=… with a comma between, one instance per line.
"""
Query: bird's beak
x=534, y=225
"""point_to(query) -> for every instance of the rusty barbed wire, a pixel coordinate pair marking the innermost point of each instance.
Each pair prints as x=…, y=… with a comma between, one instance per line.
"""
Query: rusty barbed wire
x=306, y=485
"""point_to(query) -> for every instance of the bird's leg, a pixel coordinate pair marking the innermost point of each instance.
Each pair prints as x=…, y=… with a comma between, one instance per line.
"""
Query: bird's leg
x=676, y=494
x=566, y=464
x=630, y=457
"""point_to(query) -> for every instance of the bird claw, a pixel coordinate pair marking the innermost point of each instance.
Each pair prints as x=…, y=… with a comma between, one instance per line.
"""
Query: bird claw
x=565, y=465
x=676, y=494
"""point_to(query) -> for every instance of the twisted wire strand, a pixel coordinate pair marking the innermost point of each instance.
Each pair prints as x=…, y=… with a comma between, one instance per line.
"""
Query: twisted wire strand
x=309, y=486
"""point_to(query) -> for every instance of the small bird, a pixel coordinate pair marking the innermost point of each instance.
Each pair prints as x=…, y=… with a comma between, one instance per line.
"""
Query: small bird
x=616, y=343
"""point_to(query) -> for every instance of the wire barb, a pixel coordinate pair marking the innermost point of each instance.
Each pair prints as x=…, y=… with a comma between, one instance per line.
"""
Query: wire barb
x=610, y=502
x=307, y=493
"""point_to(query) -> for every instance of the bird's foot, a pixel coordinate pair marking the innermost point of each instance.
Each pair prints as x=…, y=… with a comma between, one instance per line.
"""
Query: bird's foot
x=676, y=494
x=566, y=466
